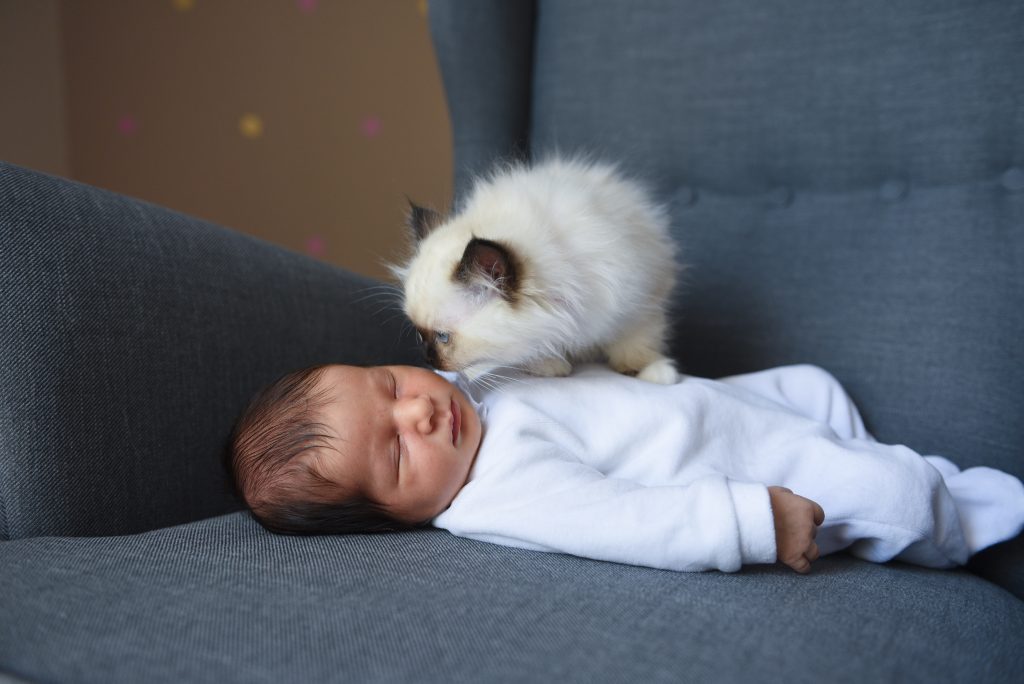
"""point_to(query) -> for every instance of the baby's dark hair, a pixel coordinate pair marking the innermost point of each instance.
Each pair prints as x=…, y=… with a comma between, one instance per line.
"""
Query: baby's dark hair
x=268, y=460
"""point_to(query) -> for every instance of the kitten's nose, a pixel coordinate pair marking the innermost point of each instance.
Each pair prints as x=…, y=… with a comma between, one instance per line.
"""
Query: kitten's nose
x=432, y=356
x=429, y=350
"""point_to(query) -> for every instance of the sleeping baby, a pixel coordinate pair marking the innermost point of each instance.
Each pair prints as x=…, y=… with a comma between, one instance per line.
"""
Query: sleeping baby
x=700, y=475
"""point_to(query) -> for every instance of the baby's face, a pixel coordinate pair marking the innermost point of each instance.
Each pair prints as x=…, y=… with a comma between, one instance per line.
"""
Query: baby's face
x=405, y=437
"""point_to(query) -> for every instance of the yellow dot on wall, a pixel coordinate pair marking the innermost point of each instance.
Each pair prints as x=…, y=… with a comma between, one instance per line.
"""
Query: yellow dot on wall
x=184, y=5
x=250, y=126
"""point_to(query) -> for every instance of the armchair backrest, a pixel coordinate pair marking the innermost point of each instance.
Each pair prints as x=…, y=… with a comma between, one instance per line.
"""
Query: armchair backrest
x=846, y=181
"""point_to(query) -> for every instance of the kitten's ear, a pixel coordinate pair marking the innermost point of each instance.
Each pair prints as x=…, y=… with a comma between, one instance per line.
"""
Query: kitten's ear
x=422, y=220
x=491, y=262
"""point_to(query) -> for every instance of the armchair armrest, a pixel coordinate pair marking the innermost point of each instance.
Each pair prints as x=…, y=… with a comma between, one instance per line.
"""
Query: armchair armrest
x=130, y=339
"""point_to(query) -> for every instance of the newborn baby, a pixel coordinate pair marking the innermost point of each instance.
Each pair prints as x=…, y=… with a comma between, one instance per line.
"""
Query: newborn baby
x=694, y=476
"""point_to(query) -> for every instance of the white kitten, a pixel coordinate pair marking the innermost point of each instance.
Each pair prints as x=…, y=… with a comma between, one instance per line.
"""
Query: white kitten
x=544, y=266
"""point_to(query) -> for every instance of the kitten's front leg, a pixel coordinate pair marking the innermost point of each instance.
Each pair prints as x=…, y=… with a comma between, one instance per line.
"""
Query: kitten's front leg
x=638, y=353
x=662, y=371
x=552, y=367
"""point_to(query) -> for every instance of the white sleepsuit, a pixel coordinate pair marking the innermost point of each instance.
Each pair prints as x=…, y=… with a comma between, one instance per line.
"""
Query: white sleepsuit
x=609, y=467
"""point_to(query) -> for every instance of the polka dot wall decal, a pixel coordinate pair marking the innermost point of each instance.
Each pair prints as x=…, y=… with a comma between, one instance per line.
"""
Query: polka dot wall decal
x=250, y=126
x=127, y=125
x=307, y=6
x=184, y=5
x=316, y=246
x=371, y=126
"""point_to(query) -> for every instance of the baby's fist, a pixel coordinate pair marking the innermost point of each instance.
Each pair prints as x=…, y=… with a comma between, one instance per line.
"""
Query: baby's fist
x=796, y=524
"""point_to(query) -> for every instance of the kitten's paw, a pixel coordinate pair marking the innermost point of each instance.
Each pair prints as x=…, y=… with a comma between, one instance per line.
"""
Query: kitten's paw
x=551, y=367
x=663, y=371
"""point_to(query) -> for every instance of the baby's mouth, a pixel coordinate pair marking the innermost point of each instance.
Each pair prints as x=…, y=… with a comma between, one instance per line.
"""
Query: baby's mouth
x=456, y=422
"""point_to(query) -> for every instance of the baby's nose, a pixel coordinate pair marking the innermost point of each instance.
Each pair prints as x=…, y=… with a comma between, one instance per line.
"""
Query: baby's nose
x=416, y=411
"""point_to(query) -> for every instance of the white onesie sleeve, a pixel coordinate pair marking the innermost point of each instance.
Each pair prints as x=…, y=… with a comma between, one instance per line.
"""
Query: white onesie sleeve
x=548, y=502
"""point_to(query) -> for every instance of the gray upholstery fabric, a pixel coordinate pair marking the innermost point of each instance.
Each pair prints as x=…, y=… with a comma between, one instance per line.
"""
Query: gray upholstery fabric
x=1002, y=564
x=739, y=97
x=223, y=600
x=485, y=51
x=10, y=679
x=130, y=339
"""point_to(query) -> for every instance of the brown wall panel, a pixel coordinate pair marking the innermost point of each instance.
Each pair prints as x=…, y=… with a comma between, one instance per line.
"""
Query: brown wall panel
x=32, y=126
x=301, y=122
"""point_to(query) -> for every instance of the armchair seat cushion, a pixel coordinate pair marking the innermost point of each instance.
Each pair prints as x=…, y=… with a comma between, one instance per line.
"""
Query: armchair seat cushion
x=223, y=600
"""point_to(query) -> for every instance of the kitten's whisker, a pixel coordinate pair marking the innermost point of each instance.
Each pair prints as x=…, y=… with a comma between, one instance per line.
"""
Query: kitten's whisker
x=392, y=296
x=506, y=378
x=498, y=382
x=387, y=307
x=405, y=325
x=378, y=296
x=372, y=295
x=381, y=288
x=378, y=290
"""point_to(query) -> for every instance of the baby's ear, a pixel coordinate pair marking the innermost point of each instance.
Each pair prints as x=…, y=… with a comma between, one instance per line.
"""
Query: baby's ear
x=422, y=220
x=490, y=264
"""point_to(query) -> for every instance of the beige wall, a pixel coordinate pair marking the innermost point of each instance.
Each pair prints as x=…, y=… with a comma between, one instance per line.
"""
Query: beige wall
x=32, y=126
x=302, y=122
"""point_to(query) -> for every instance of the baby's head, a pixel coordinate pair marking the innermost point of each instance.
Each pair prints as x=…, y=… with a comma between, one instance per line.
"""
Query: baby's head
x=343, y=449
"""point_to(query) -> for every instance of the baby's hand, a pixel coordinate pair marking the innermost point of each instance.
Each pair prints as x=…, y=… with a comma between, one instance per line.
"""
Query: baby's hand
x=796, y=524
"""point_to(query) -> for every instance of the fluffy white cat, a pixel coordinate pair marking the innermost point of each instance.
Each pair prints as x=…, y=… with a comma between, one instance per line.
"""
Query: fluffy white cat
x=542, y=267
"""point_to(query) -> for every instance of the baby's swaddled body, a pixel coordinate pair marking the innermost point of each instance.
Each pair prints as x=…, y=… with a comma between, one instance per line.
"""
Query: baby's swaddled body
x=675, y=476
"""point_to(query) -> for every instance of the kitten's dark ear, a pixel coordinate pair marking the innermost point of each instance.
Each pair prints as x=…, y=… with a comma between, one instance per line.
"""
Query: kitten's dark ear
x=422, y=220
x=493, y=262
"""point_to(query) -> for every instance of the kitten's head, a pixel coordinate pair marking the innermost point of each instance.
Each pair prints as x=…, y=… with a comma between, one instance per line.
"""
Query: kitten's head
x=468, y=296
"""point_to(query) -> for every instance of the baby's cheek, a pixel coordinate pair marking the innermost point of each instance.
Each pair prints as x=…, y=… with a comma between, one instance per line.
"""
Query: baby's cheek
x=476, y=433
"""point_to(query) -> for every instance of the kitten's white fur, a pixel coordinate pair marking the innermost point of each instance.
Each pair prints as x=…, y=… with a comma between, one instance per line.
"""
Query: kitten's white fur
x=594, y=269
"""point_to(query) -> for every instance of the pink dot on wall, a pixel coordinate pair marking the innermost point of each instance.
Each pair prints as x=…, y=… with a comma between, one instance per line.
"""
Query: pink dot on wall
x=316, y=246
x=371, y=126
x=306, y=5
x=127, y=125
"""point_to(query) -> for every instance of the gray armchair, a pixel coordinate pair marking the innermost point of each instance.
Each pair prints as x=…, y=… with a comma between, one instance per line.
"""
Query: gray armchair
x=847, y=185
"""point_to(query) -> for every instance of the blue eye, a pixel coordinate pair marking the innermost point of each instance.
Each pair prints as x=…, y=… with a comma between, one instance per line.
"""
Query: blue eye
x=441, y=337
